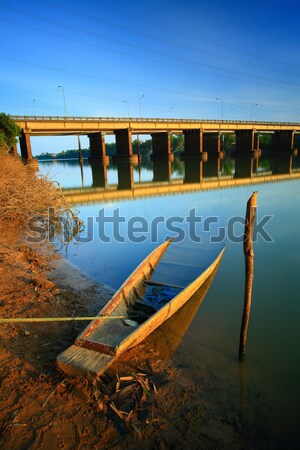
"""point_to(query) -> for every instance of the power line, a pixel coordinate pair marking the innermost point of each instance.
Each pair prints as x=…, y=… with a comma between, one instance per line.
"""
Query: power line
x=165, y=41
x=139, y=47
x=97, y=77
x=122, y=81
x=217, y=44
x=208, y=100
x=268, y=80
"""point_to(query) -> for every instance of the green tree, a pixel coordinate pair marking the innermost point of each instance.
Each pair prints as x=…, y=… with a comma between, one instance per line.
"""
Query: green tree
x=177, y=143
x=265, y=141
x=9, y=131
x=146, y=146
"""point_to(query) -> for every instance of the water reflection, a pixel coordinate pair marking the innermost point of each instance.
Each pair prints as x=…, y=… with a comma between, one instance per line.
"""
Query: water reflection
x=242, y=391
x=99, y=173
x=128, y=174
x=212, y=167
x=245, y=165
x=125, y=175
x=281, y=162
x=162, y=169
x=81, y=172
x=193, y=171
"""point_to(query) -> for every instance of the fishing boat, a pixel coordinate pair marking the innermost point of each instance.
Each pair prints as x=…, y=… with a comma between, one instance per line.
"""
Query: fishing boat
x=164, y=281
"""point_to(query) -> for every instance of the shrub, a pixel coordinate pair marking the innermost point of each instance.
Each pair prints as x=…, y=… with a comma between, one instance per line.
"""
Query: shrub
x=25, y=196
x=9, y=131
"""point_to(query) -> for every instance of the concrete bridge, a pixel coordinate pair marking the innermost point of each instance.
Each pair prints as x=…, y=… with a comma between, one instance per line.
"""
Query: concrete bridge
x=201, y=136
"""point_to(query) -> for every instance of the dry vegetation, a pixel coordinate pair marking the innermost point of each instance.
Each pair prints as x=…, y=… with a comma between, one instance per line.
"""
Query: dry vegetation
x=27, y=198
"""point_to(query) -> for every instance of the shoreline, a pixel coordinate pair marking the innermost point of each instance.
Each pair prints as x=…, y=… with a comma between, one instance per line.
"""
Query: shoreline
x=66, y=275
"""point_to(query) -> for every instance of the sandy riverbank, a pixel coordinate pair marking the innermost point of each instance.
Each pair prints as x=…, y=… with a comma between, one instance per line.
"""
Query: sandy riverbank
x=44, y=409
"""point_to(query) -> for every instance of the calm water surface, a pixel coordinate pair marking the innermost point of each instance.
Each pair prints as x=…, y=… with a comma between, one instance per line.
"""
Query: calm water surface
x=264, y=391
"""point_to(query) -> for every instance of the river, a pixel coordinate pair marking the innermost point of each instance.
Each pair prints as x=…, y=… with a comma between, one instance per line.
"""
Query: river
x=263, y=391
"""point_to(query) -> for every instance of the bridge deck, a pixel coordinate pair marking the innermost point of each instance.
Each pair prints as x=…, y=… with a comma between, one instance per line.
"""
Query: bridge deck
x=55, y=125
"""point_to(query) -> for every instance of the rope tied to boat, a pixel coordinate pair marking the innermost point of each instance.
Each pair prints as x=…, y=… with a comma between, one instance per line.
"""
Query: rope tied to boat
x=54, y=319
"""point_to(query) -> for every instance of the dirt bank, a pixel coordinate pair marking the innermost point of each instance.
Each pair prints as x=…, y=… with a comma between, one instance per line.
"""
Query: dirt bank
x=158, y=405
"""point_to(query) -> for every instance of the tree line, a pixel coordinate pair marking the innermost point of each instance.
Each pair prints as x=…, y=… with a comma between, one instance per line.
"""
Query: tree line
x=177, y=144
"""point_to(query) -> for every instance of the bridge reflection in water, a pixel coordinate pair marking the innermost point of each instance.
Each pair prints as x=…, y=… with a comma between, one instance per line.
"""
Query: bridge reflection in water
x=166, y=177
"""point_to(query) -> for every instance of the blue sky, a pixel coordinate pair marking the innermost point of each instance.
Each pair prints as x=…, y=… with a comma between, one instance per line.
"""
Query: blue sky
x=158, y=59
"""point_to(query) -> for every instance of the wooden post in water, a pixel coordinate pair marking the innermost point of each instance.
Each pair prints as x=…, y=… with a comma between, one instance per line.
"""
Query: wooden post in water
x=249, y=270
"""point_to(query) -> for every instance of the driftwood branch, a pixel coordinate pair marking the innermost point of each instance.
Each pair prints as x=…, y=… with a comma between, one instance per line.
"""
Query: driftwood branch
x=249, y=269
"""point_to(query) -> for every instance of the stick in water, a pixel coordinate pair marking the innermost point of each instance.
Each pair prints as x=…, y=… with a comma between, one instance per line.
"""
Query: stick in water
x=249, y=270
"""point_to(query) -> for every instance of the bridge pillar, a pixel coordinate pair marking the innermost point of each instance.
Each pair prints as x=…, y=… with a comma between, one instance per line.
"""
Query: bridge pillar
x=193, y=141
x=297, y=140
x=123, y=142
x=246, y=140
x=25, y=146
x=97, y=146
x=26, y=151
x=212, y=142
x=193, y=145
x=283, y=140
x=161, y=145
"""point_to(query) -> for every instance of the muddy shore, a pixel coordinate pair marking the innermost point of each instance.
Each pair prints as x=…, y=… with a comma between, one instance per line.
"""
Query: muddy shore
x=157, y=405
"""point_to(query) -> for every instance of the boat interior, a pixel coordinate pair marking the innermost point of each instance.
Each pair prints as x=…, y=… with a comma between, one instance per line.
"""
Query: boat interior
x=178, y=267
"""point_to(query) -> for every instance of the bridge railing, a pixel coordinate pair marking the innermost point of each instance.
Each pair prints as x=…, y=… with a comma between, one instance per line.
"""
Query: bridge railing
x=138, y=119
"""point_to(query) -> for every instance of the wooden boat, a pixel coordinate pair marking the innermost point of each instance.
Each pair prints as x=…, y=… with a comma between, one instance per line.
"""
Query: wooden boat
x=157, y=288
